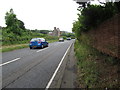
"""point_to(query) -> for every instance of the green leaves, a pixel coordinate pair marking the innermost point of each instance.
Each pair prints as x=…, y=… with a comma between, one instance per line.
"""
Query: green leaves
x=15, y=28
x=16, y=33
x=93, y=15
x=13, y=24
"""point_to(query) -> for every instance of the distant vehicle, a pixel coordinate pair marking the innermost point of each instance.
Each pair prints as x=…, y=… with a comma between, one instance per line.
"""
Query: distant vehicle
x=61, y=40
x=69, y=38
x=38, y=43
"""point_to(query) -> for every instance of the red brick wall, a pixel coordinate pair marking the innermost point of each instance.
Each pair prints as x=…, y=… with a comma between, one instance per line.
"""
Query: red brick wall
x=106, y=37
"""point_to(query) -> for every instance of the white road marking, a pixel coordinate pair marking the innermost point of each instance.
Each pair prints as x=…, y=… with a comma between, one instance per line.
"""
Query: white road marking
x=42, y=49
x=9, y=61
x=49, y=83
x=18, y=58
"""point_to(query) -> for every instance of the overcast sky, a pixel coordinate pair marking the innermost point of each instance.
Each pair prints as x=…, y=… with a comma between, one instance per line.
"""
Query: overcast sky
x=42, y=14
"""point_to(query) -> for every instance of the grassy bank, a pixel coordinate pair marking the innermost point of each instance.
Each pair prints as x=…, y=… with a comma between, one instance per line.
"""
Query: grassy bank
x=13, y=47
x=19, y=46
x=95, y=70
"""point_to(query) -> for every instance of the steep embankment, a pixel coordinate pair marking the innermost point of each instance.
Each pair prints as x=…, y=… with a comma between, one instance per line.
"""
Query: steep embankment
x=98, y=56
x=106, y=37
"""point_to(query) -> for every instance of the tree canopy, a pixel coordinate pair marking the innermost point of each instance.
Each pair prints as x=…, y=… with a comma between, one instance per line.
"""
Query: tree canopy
x=13, y=24
x=93, y=15
x=15, y=31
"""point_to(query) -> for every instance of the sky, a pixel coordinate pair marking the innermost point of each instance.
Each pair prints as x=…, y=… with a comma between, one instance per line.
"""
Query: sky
x=42, y=14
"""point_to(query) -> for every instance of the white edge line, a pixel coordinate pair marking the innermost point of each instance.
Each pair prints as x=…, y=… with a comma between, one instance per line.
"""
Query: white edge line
x=49, y=83
x=41, y=50
x=9, y=61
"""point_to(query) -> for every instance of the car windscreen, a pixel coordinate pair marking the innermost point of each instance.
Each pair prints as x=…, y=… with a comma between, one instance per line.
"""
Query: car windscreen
x=34, y=39
x=60, y=38
x=38, y=39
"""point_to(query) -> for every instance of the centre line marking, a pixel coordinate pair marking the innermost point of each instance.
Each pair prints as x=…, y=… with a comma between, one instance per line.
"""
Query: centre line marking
x=54, y=74
x=9, y=61
x=41, y=50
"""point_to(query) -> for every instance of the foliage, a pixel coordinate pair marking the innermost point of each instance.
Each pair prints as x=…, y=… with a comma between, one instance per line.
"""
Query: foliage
x=41, y=31
x=93, y=15
x=13, y=24
x=51, y=38
x=76, y=29
x=88, y=69
x=95, y=67
x=65, y=35
x=44, y=31
x=16, y=33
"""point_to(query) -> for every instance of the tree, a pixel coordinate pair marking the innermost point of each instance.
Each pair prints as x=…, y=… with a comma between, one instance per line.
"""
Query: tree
x=76, y=29
x=13, y=24
x=10, y=18
x=44, y=31
x=21, y=24
x=93, y=15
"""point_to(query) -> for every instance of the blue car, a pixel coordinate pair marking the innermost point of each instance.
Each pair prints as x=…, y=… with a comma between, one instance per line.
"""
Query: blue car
x=38, y=43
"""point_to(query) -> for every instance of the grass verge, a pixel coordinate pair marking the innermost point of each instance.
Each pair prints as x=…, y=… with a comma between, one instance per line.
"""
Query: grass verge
x=95, y=70
x=20, y=46
x=13, y=47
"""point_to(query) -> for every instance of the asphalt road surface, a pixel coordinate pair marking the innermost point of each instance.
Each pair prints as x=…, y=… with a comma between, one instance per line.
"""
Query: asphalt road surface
x=25, y=68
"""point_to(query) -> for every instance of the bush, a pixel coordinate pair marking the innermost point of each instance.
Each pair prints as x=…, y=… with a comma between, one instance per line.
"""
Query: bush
x=92, y=16
x=86, y=65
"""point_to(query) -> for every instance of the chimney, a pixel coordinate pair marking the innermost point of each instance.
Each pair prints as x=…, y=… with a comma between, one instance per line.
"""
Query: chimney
x=54, y=28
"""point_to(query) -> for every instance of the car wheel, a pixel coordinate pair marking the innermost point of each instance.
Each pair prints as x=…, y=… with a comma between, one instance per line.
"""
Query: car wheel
x=30, y=47
x=47, y=45
x=42, y=46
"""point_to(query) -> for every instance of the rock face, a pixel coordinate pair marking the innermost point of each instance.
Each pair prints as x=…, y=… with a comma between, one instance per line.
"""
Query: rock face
x=106, y=37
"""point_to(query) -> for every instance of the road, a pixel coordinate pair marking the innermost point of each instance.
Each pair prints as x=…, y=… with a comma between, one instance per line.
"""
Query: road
x=25, y=68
